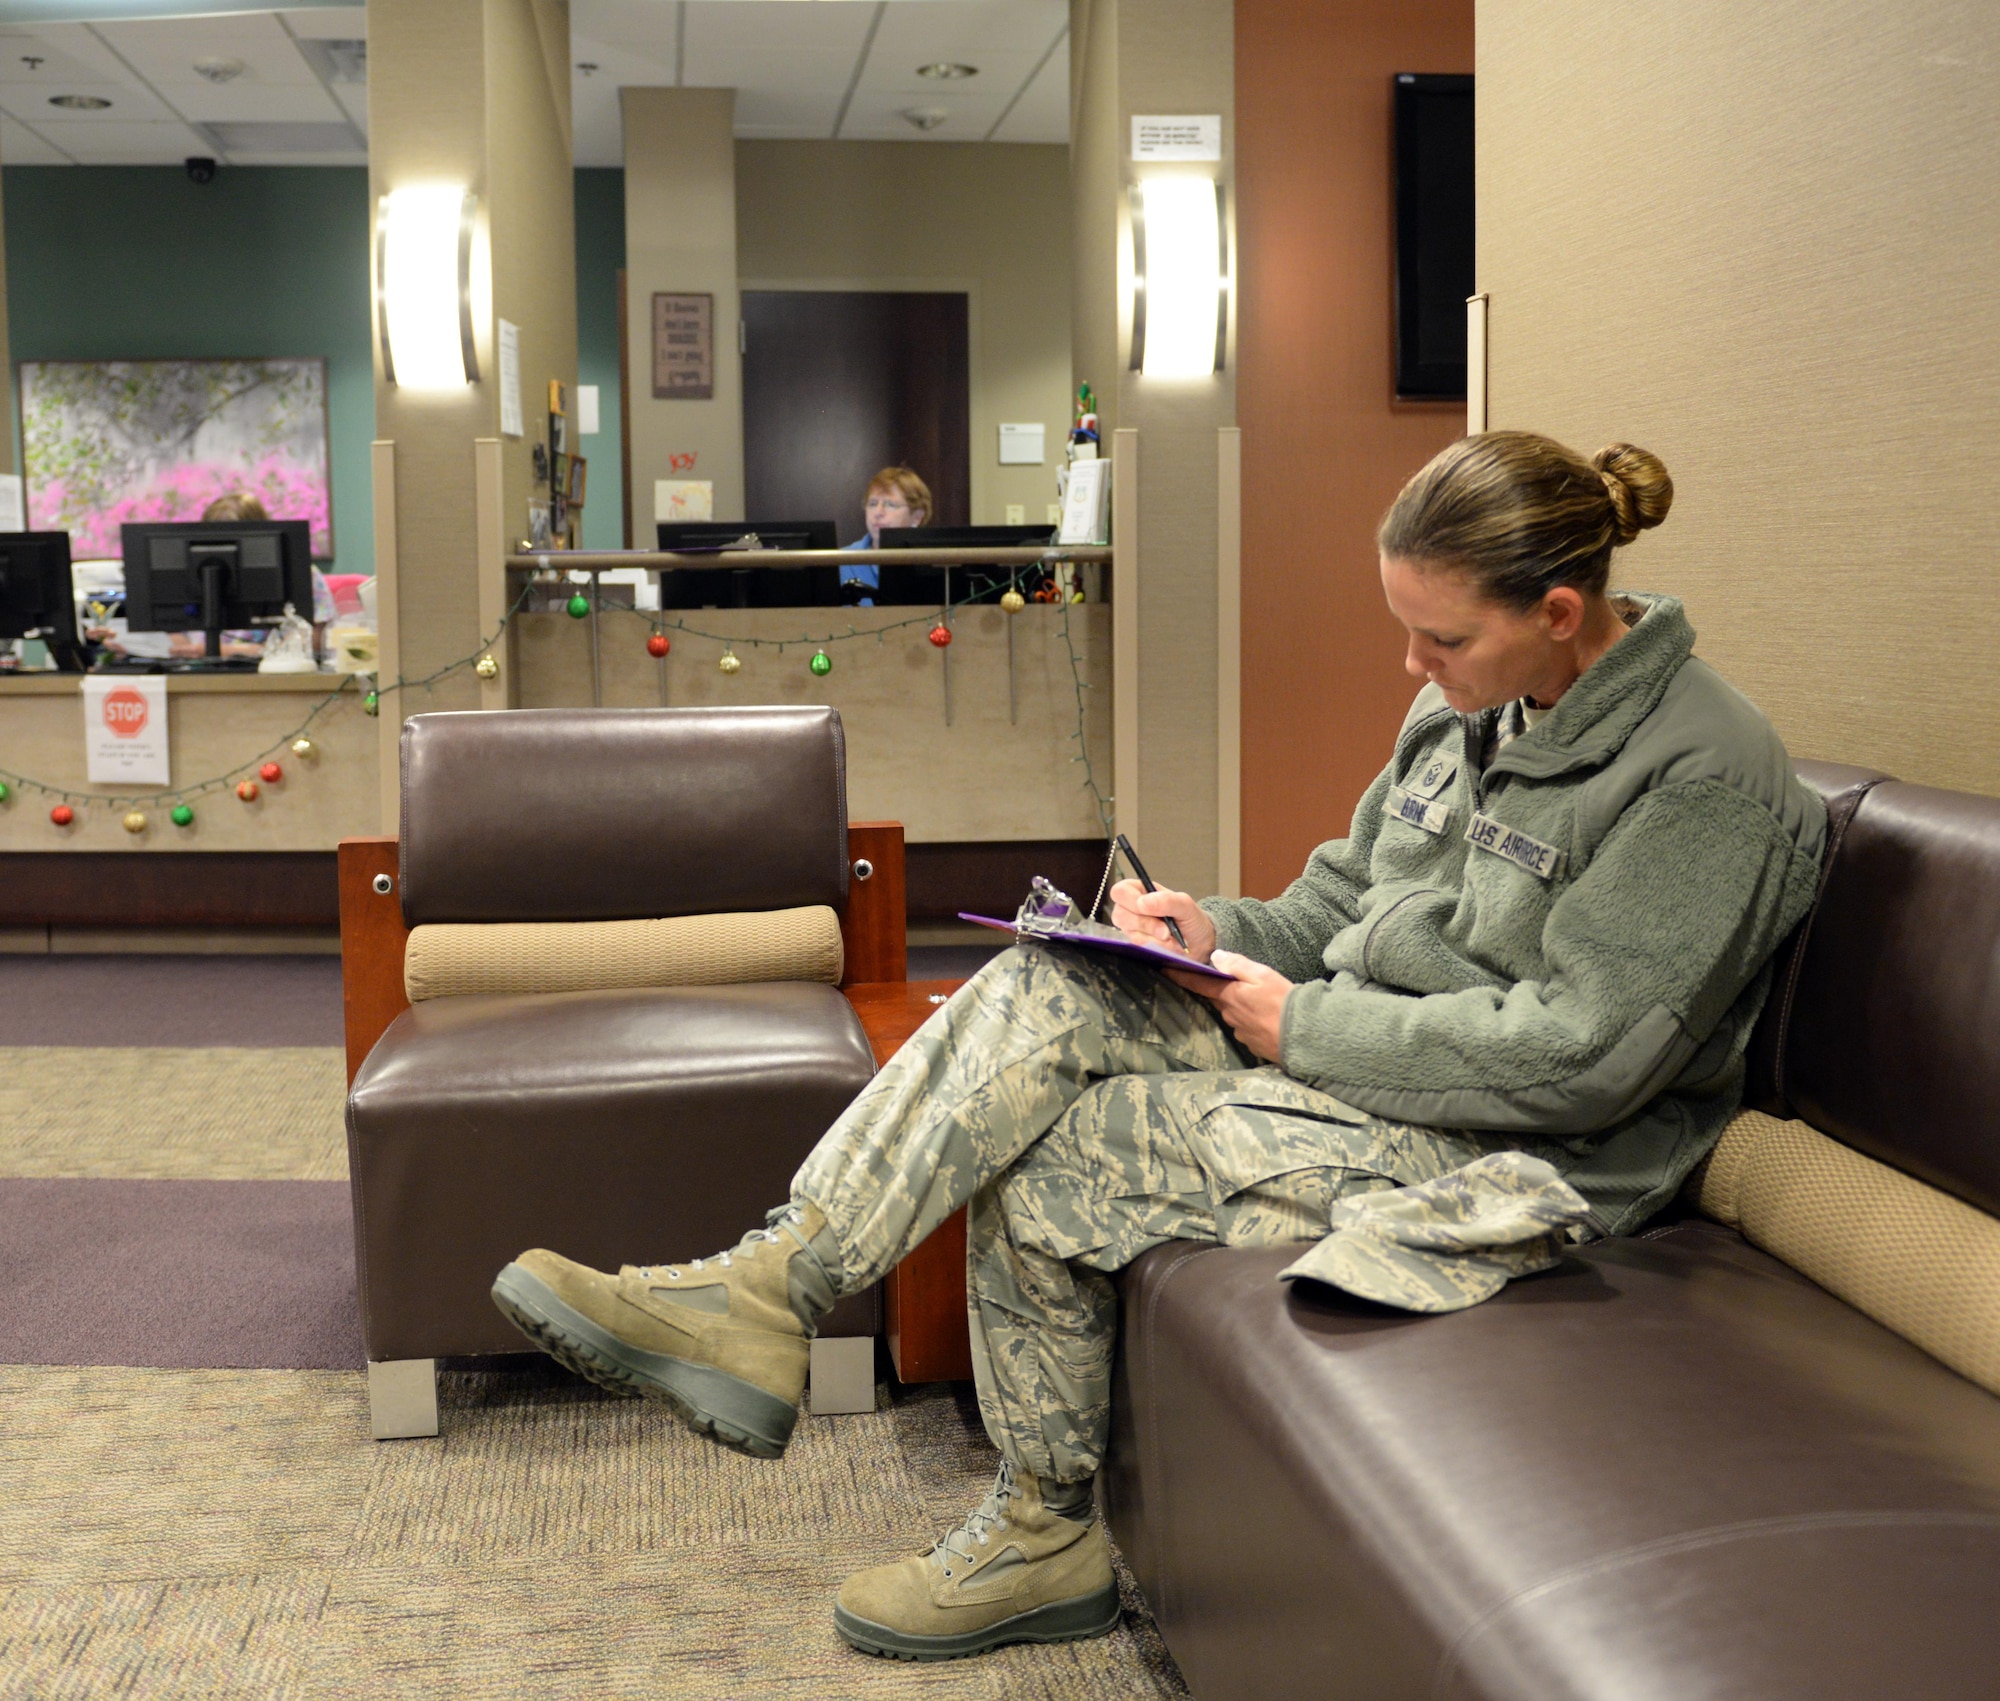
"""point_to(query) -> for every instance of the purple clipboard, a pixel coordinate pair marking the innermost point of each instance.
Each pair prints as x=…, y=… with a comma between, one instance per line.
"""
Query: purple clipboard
x=1158, y=955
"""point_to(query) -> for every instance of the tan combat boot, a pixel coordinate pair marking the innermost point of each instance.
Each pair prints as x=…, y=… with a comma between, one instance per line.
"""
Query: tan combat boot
x=1012, y=1572
x=723, y=1340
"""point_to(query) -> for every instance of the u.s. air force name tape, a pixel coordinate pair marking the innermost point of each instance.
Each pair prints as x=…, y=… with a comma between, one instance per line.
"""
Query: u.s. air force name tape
x=1542, y=861
x=1407, y=806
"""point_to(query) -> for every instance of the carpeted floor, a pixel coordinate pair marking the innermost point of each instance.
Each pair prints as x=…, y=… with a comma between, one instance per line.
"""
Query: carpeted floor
x=194, y=1532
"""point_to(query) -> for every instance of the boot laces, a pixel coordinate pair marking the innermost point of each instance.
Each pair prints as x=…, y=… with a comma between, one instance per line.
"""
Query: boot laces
x=990, y=1514
x=747, y=1246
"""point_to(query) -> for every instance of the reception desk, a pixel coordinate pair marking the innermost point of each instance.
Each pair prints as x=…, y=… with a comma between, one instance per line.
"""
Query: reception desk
x=216, y=722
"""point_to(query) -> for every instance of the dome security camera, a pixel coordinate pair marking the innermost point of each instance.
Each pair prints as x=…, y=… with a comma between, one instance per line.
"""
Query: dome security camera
x=200, y=169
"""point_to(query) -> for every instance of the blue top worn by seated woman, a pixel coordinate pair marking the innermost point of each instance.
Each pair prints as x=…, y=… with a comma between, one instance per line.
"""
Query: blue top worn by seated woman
x=864, y=573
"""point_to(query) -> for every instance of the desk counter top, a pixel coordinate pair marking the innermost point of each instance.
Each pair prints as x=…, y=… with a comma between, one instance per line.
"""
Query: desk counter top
x=178, y=684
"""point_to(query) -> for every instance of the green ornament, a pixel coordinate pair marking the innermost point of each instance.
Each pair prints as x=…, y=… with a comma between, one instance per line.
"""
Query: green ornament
x=371, y=704
x=4, y=792
x=821, y=664
x=579, y=606
x=182, y=815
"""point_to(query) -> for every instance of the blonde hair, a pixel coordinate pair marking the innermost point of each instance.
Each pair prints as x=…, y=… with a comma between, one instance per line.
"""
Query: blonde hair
x=907, y=485
x=1520, y=515
x=238, y=505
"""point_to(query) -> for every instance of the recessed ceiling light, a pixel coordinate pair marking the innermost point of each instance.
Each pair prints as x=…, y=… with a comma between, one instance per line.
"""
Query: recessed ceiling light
x=925, y=117
x=79, y=103
x=946, y=72
x=219, y=70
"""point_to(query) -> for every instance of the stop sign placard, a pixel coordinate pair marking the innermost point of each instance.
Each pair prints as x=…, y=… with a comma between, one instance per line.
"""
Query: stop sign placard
x=125, y=712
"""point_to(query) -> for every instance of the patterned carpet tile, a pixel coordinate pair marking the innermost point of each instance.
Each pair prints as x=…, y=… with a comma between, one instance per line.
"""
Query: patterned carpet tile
x=138, y=1113
x=196, y=1533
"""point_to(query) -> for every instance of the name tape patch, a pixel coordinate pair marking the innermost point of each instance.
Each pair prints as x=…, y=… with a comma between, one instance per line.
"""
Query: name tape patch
x=1418, y=811
x=1523, y=850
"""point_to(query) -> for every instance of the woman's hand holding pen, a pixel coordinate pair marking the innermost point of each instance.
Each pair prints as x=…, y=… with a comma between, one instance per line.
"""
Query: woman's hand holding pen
x=1143, y=915
x=1253, y=1004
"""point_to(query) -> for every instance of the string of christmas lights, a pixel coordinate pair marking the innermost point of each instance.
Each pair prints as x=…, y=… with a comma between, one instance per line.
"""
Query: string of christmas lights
x=269, y=771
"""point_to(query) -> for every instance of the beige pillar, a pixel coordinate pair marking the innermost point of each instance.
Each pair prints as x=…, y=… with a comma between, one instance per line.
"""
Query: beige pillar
x=680, y=239
x=1178, y=549
x=8, y=452
x=475, y=93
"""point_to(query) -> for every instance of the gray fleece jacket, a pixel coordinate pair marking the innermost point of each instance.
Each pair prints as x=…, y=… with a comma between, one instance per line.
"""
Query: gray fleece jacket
x=1570, y=945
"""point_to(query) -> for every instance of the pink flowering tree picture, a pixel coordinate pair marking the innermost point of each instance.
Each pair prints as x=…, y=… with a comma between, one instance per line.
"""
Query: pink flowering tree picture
x=110, y=441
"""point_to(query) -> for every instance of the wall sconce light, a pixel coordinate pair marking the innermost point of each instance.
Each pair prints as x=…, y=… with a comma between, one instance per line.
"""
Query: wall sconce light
x=1180, y=277
x=424, y=238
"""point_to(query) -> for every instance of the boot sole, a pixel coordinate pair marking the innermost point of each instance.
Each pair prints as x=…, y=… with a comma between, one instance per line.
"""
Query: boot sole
x=1077, y=1620
x=725, y=1408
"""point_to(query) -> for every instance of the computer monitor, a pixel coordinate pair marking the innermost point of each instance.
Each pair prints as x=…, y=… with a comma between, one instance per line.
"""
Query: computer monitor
x=208, y=575
x=749, y=587
x=35, y=595
x=927, y=584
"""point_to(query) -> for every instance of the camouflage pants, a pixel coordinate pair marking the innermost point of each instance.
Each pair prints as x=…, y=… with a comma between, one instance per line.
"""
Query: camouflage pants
x=1085, y=1109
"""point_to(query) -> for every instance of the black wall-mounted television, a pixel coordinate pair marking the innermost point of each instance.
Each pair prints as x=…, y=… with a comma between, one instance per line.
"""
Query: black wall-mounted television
x=1434, y=215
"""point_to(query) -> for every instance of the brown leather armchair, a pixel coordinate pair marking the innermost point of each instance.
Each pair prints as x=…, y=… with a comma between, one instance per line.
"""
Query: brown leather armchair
x=624, y=1121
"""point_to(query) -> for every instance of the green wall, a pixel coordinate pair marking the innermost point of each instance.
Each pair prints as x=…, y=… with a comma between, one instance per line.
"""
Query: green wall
x=136, y=262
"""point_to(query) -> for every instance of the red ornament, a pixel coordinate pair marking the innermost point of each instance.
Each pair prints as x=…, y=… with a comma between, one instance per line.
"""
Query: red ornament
x=62, y=815
x=247, y=791
x=658, y=645
x=271, y=773
x=940, y=634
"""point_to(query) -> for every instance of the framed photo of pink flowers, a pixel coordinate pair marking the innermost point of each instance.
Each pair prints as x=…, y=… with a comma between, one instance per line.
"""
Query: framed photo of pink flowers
x=105, y=442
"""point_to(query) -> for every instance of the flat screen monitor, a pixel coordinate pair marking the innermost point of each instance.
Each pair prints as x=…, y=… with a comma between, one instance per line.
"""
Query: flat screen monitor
x=205, y=576
x=929, y=584
x=35, y=595
x=749, y=587
x=1434, y=229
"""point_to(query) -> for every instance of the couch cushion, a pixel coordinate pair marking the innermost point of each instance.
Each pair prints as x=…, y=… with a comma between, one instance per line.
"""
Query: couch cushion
x=1892, y=1042
x=1671, y=1470
x=613, y=1127
x=609, y=814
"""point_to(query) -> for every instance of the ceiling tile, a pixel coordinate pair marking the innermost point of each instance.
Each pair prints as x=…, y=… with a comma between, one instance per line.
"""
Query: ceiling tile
x=21, y=146
x=128, y=104
x=165, y=50
x=1042, y=112
x=328, y=23
x=780, y=69
x=922, y=32
x=768, y=112
x=18, y=47
x=877, y=116
x=125, y=144
x=718, y=26
x=247, y=102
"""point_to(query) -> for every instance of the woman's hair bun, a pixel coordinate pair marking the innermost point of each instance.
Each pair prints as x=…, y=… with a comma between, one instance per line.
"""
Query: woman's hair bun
x=1638, y=485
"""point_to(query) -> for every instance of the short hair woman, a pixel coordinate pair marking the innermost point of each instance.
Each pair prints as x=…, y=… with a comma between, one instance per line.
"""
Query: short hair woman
x=896, y=498
x=1518, y=992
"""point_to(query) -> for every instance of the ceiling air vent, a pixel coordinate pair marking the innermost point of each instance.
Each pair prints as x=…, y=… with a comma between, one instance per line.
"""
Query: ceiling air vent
x=286, y=138
x=337, y=61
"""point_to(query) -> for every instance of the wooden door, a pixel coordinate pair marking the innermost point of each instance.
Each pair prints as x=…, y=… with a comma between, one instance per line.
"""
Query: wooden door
x=840, y=383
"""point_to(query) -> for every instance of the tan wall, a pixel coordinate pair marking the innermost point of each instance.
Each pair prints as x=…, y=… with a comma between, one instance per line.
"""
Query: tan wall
x=1325, y=444
x=213, y=726
x=990, y=774
x=680, y=236
x=1761, y=241
x=1158, y=57
x=988, y=218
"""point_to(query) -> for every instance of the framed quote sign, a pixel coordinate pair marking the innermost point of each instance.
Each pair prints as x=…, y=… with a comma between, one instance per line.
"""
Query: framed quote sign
x=683, y=347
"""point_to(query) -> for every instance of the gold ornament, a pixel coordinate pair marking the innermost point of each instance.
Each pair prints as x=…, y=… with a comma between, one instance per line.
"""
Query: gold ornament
x=1012, y=601
x=731, y=662
x=135, y=822
x=304, y=749
x=487, y=667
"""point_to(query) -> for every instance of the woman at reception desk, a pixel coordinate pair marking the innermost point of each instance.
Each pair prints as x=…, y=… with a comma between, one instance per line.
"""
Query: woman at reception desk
x=897, y=497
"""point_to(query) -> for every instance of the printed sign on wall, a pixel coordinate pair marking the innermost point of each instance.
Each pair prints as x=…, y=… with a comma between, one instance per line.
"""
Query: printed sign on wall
x=683, y=347
x=125, y=730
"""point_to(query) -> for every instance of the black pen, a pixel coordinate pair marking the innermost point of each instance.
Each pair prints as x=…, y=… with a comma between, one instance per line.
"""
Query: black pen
x=1146, y=880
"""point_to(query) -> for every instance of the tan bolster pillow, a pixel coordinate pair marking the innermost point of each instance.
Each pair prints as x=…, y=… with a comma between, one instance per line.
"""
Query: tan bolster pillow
x=1912, y=1257
x=449, y=959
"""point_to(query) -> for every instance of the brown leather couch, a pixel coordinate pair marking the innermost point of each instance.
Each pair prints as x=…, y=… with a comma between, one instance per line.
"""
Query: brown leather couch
x=1675, y=1467
x=611, y=1125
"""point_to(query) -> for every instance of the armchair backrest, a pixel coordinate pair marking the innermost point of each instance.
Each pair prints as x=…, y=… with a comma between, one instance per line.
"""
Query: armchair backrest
x=616, y=814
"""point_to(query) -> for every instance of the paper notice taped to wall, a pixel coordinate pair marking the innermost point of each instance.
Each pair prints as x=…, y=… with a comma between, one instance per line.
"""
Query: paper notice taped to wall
x=510, y=380
x=1086, y=514
x=125, y=731
x=13, y=511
